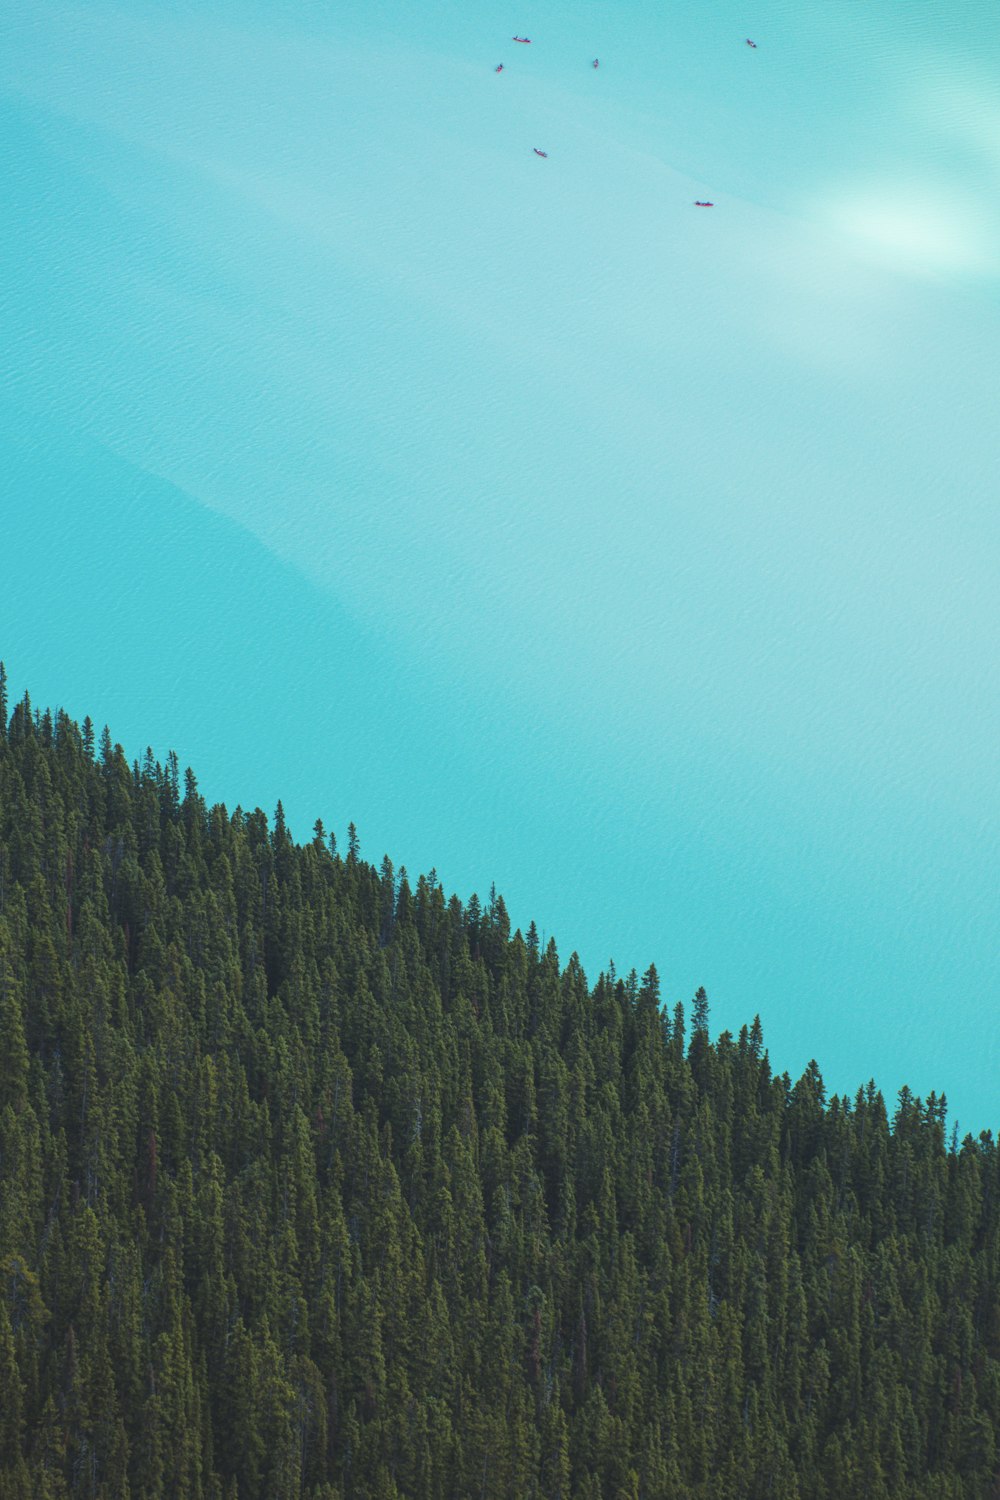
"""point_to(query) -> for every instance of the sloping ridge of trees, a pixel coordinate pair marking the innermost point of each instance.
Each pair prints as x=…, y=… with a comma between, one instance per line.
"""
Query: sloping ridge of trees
x=318, y=1183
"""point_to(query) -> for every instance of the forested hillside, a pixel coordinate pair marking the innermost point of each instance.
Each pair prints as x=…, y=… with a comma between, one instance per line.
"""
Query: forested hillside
x=317, y=1182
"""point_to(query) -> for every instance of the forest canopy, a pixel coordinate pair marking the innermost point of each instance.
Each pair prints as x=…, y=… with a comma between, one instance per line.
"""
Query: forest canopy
x=317, y=1183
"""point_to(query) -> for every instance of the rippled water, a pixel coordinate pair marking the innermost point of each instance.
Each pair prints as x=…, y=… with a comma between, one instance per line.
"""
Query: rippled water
x=639, y=557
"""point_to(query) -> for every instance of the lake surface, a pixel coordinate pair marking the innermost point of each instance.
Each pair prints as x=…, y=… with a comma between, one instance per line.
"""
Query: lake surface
x=639, y=557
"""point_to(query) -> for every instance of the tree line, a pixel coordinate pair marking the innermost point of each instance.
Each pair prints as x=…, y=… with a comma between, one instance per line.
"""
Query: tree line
x=319, y=1184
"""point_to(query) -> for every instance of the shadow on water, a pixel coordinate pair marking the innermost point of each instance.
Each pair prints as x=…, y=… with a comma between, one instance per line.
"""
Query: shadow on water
x=178, y=626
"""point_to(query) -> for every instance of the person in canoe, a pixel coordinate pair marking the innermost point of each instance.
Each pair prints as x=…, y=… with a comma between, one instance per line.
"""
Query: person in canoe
x=751, y=44
x=597, y=62
x=498, y=68
x=703, y=203
x=525, y=39
x=539, y=153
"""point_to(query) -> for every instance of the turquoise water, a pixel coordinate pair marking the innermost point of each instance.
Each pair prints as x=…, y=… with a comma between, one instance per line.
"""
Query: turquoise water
x=637, y=557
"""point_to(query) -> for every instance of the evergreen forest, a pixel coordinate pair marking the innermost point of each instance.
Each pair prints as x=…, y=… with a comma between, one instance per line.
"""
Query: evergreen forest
x=318, y=1183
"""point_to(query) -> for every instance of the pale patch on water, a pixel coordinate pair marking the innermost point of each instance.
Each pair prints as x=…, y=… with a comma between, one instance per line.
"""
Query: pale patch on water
x=921, y=227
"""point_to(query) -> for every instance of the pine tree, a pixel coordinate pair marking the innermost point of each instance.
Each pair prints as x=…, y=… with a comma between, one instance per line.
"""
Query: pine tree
x=14, y=1058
